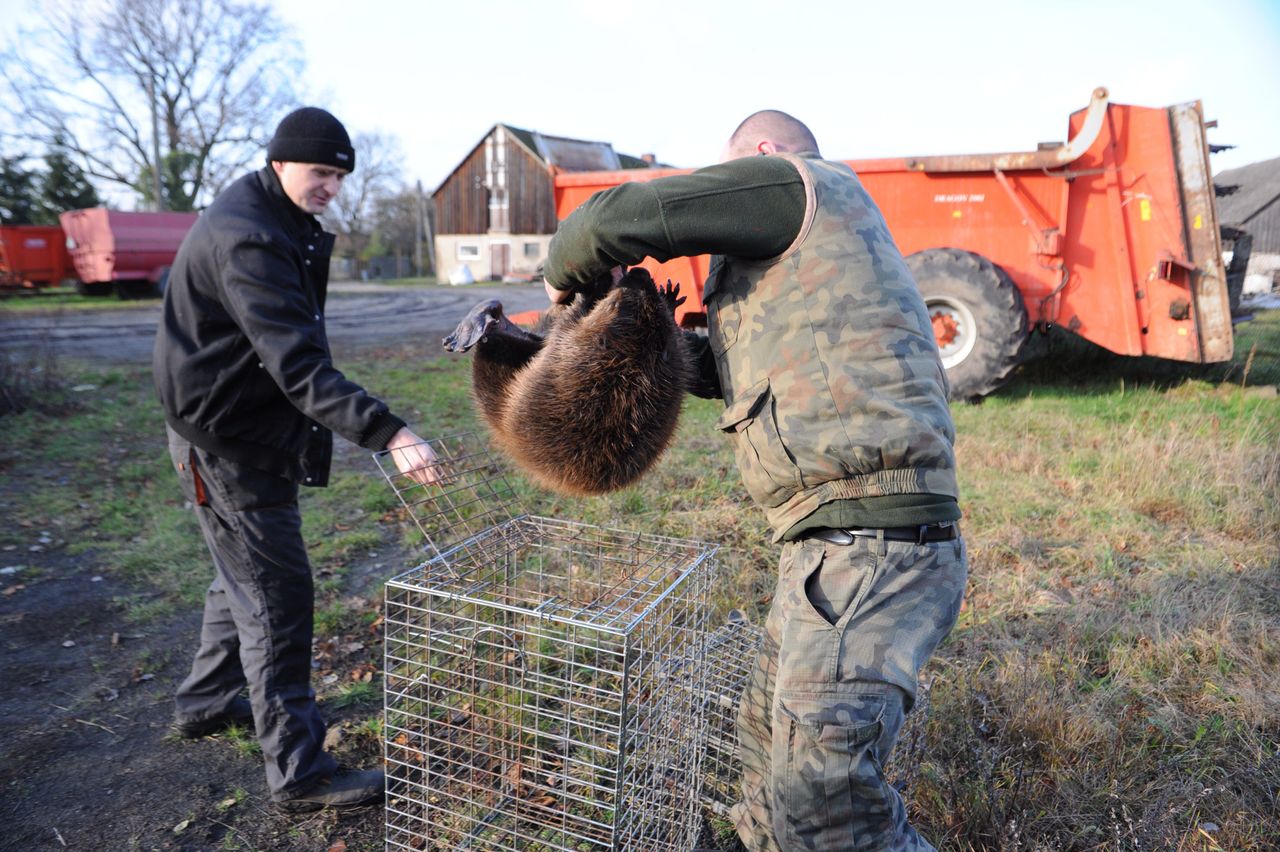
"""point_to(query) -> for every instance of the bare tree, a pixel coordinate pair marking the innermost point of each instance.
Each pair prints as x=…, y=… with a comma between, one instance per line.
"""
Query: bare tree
x=174, y=95
x=398, y=220
x=378, y=174
x=399, y=226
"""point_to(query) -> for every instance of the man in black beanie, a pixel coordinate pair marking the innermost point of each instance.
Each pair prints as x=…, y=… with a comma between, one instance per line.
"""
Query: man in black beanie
x=251, y=400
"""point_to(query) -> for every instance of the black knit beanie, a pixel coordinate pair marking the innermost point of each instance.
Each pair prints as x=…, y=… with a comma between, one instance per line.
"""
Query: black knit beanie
x=312, y=135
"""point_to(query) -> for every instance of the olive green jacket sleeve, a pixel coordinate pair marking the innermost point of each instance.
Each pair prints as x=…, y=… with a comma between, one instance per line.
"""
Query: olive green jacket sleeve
x=751, y=208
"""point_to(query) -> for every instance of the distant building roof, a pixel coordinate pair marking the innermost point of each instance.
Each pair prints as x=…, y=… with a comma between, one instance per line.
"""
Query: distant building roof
x=570, y=155
x=1258, y=188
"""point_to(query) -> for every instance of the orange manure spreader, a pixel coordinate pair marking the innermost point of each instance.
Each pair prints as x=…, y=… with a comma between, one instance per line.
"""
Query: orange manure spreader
x=1112, y=235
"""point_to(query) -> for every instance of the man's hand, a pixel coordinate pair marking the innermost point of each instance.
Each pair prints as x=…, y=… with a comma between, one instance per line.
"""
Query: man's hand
x=415, y=458
x=560, y=297
x=557, y=297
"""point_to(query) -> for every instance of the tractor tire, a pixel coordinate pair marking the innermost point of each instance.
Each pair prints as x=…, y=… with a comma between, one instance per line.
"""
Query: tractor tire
x=978, y=318
x=94, y=288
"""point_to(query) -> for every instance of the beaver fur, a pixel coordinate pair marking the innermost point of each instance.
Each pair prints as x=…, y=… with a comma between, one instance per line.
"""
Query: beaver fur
x=587, y=402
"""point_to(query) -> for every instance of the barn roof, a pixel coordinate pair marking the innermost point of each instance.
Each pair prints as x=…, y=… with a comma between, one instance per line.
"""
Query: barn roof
x=563, y=152
x=1257, y=186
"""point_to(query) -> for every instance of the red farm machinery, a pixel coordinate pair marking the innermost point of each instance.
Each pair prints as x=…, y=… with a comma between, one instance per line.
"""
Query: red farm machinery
x=130, y=252
x=33, y=256
x=1112, y=235
x=97, y=249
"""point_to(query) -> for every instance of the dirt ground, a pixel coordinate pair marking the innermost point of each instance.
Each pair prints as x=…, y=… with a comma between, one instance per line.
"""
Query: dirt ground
x=87, y=760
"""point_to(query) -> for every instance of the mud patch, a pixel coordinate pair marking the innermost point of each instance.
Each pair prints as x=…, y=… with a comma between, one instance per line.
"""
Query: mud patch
x=87, y=760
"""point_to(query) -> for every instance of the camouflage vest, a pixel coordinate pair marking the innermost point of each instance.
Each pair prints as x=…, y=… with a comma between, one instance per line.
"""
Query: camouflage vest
x=831, y=376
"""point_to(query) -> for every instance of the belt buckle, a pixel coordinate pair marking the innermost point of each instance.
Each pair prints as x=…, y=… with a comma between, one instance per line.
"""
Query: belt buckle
x=922, y=535
x=834, y=536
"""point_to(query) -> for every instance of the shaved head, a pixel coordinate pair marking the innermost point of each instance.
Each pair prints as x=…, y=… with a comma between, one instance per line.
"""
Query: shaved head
x=769, y=131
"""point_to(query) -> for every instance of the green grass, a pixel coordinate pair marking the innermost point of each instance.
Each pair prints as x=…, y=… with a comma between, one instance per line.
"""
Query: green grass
x=96, y=470
x=55, y=298
x=1110, y=684
x=1107, y=682
x=243, y=740
x=356, y=694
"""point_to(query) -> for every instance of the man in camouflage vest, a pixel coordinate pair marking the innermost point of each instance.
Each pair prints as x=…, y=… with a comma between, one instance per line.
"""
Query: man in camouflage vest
x=836, y=403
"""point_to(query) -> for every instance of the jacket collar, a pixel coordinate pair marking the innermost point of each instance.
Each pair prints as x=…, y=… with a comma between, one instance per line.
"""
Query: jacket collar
x=299, y=222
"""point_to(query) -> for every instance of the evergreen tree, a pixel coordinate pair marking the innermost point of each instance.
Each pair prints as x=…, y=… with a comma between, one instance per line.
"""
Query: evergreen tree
x=177, y=187
x=63, y=186
x=17, y=192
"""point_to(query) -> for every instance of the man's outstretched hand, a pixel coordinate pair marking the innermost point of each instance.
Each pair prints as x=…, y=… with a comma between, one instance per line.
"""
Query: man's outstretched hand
x=415, y=458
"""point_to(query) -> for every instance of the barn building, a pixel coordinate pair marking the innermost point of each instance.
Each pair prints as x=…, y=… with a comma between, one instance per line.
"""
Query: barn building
x=1249, y=212
x=495, y=212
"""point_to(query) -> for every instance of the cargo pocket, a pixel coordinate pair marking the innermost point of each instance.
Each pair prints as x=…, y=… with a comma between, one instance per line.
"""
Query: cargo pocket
x=831, y=792
x=768, y=470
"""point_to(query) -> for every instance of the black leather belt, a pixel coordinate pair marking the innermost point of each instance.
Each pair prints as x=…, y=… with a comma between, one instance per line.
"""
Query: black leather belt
x=920, y=535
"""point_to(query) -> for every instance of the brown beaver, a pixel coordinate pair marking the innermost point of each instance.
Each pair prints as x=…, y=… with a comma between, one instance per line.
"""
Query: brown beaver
x=587, y=402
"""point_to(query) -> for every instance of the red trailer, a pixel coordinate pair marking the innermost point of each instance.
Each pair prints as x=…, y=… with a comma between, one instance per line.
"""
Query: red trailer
x=1112, y=235
x=130, y=251
x=33, y=256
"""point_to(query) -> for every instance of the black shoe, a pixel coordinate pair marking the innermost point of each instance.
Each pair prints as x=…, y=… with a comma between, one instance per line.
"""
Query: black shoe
x=347, y=788
x=237, y=713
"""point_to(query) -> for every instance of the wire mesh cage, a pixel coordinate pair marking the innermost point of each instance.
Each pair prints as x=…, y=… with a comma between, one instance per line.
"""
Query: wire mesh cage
x=538, y=674
x=731, y=651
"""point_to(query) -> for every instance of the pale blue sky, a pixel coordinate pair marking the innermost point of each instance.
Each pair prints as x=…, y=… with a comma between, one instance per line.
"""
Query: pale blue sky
x=871, y=79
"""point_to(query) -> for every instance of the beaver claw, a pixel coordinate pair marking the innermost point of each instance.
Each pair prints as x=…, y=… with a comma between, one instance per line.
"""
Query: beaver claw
x=669, y=292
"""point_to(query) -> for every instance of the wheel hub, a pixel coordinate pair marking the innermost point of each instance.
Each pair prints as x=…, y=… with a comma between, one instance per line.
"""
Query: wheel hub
x=954, y=329
x=945, y=328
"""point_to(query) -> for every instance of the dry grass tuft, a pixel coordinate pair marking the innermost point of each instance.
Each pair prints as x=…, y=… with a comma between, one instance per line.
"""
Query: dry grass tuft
x=1112, y=681
x=33, y=379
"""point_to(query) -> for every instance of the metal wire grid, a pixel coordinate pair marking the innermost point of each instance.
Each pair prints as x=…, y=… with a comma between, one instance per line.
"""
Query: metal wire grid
x=556, y=725
x=538, y=675
x=470, y=496
x=731, y=652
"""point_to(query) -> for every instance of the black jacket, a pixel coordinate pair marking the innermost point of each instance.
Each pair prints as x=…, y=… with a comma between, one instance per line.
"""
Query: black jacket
x=241, y=362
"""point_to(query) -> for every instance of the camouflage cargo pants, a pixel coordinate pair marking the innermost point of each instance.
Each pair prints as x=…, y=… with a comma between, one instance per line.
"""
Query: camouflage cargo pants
x=849, y=629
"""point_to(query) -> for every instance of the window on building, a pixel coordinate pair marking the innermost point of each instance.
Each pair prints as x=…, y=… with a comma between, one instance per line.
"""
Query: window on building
x=468, y=251
x=532, y=250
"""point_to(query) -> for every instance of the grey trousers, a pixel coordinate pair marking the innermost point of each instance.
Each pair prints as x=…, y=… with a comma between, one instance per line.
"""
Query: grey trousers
x=257, y=614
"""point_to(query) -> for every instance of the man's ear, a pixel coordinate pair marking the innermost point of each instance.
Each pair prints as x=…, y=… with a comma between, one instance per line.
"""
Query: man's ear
x=278, y=167
x=766, y=146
